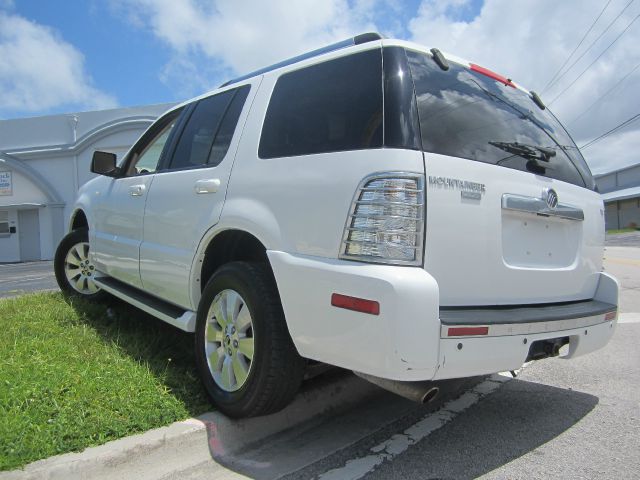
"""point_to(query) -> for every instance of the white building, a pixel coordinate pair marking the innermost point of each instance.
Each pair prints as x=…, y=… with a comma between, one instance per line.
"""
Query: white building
x=620, y=191
x=43, y=161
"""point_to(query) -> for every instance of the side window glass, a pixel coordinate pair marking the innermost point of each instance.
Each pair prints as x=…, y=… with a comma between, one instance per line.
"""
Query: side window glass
x=208, y=133
x=147, y=157
x=228, y=127
x=329, y=107
x=148, y=160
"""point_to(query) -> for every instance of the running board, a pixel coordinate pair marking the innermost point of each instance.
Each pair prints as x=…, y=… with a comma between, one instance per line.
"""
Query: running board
x=167, y=312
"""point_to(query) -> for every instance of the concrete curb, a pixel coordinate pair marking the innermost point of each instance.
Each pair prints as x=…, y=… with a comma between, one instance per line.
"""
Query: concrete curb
x=159, y=452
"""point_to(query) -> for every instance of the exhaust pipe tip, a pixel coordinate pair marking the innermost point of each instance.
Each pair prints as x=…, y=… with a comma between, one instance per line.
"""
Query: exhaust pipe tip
x=421, y=391
x=430, y=395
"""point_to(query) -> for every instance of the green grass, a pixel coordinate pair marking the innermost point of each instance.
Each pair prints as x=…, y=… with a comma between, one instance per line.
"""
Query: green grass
x=621, y=230
x=75, y=374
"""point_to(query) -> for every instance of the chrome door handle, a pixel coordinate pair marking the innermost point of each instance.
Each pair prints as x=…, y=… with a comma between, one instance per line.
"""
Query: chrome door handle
x=209, y=185
x=137, y=190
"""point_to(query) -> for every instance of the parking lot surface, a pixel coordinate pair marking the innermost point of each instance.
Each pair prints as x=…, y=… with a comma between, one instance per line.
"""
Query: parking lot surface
x=20, y=278
x=629, y=239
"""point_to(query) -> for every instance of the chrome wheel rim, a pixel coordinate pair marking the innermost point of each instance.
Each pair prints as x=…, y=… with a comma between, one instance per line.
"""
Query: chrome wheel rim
x=229, y=340
x=79, y=270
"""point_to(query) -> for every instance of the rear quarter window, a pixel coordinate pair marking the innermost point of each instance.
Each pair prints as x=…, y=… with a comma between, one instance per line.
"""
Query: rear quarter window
x=329, y=107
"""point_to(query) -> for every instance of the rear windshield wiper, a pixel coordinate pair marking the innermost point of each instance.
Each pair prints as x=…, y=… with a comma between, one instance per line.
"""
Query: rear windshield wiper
x=524, y=116
x=533, y=153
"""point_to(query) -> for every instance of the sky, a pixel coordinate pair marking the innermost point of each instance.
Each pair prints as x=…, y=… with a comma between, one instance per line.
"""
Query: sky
x=61, y=56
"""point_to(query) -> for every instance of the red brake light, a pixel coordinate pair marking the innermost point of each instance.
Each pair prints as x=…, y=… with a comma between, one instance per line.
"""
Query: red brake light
x=357, y=304
x=490, y=74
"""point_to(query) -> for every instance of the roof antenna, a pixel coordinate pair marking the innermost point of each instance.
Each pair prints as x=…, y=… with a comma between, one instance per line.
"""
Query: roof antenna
x=438, y=57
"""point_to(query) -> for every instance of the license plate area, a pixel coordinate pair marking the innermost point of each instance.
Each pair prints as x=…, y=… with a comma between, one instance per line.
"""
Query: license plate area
x=531, y=240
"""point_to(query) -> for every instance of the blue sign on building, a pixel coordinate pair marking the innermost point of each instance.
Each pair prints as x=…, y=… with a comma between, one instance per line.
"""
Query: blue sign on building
x=6, y=185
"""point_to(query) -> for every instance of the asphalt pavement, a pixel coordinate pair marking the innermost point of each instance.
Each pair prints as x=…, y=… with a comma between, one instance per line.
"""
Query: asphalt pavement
x=629, y=239
x=20, y=278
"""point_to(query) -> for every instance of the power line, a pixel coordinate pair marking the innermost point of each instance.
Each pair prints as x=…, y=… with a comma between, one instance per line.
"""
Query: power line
x=613, y=130
x=604, y=95
x=589, y=47
x=577, y=46
x=596, y=59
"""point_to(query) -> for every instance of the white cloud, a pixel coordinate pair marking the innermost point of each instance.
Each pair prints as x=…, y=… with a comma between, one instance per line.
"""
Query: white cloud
x=529, y=40
x=211, y=41
x=39, y=71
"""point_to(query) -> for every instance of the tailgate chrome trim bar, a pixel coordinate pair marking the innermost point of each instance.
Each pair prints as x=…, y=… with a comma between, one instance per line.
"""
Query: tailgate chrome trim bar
x=507, y=329
x=537, y=206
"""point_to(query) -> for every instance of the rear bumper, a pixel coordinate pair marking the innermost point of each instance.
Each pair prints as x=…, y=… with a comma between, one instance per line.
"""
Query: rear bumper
x=523, y=320
x=588, y=325
x=407, y=340
x=477, y=356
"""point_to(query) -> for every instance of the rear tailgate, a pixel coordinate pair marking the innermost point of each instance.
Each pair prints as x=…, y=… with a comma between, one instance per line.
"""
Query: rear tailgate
x=484, y=248
x=512, y=216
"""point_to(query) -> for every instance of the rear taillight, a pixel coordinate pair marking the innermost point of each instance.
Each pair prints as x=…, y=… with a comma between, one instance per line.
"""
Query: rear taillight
x=386, y=220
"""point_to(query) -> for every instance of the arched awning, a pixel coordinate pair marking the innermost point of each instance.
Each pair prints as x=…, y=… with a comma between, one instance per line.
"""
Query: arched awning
x=85, y=141
x=32, y=174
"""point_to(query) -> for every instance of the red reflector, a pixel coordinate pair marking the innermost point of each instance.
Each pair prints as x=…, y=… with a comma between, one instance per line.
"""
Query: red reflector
x=463, y=331
x=490, y=74
x=356, y=304
x=610, y=316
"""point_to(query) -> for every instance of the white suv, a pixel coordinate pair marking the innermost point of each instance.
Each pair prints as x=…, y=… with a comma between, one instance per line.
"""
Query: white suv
x=373, y=205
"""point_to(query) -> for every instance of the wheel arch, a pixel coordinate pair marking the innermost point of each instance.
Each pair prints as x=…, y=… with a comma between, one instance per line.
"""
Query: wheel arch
x=228, y=246
x=78, y=220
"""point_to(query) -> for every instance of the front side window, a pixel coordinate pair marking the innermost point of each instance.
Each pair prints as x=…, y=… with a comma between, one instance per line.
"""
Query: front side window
x=146, y=155
x=469, y=115
x=329, y=107
x=208, y=132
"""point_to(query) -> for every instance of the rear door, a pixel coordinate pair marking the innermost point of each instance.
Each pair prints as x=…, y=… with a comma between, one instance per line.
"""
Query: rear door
x=188, y=193
x=511, y=214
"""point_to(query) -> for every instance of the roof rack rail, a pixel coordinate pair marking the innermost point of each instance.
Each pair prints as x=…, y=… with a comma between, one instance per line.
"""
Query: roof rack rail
x=357, y=40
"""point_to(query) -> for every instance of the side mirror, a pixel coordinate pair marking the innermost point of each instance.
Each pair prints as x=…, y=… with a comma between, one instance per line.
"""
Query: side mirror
x=104, y=163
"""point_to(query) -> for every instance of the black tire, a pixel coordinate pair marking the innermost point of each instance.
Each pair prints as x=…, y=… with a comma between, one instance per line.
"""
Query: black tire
x=276, y=369
x=76, y=239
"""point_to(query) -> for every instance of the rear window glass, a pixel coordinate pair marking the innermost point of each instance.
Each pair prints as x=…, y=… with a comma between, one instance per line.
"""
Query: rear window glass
x=466, y=114
x=329, y=107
